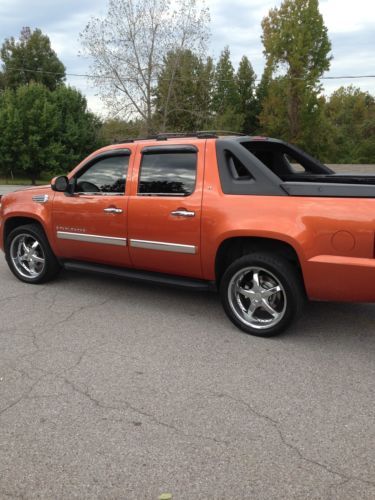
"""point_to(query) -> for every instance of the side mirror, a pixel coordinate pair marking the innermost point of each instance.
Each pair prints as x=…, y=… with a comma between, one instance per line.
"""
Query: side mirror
x=60, y=184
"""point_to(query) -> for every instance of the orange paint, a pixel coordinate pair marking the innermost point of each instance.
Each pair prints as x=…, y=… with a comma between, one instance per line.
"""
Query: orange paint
x=332, y=237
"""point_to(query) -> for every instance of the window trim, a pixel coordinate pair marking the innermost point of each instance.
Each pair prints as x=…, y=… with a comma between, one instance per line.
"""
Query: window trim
x=183, y=148
x=172, y=149
x=121, y=152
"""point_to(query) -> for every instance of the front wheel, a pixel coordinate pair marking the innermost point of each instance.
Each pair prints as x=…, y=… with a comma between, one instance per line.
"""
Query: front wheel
x=29, y=255
x=261, y=294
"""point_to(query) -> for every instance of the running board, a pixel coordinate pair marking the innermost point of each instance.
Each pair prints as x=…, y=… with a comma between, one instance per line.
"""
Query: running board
x=145, y=276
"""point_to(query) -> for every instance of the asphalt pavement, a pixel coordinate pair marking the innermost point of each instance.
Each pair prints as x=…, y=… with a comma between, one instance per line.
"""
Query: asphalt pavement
x=110, y=389
x=4, y=189
x=116, y=390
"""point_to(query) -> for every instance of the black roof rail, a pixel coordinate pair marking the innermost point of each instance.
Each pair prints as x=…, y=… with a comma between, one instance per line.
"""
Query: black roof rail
x=221, y=132
x=164, y=136
x=134, y=139
x=202, y=134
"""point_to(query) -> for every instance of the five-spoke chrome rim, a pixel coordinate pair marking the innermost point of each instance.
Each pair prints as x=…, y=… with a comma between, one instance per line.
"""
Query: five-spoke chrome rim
x=27, y=256
x=257, y=298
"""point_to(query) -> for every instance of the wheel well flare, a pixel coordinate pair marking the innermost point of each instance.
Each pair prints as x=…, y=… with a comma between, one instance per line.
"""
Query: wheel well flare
x=234, y=248
x=14, y=222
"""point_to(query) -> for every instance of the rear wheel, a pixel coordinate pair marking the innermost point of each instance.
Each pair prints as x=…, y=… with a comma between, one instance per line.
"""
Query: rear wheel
x=261, y=294
x=29, y=255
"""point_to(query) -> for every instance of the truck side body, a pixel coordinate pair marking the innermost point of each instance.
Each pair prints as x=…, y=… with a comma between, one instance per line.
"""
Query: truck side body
x=330, y=238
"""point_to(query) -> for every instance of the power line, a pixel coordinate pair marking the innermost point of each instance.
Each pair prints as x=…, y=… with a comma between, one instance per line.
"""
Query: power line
x=104, y=77
x=347, y=77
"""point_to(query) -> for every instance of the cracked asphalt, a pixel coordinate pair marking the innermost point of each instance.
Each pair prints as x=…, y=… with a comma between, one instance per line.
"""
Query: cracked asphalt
x=111, y=389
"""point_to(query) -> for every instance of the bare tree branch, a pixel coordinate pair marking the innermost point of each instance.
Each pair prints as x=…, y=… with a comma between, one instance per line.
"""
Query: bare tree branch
x=129, y=45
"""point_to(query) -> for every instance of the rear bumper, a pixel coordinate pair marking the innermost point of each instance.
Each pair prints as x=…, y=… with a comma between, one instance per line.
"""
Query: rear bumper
x=341, y=279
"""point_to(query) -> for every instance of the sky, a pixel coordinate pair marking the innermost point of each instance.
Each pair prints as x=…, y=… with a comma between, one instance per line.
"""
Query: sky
x=236, y=23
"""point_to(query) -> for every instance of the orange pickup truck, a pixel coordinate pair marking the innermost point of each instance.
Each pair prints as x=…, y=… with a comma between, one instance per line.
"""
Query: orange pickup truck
x=256, y=218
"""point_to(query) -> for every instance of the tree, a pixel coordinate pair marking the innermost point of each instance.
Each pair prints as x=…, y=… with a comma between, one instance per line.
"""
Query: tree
x=226, y=99
x=130, y=44
x=297, y=47
x=30, y=59
x=247, y=107
x=30, y=116
x=44, y=131
x=351, y=114
x=184, y=105
x=261, y=94
x=116, y=130
x=10, y=138
x=76, y=129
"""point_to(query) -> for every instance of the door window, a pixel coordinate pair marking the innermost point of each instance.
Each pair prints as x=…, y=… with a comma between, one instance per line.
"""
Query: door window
x=168, y=174
x=105, y=176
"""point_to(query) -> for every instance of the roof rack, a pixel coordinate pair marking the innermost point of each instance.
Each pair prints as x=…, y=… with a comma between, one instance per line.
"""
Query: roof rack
x=221, y=132
x=134, y=139
x=200, y=134
x=164, y=136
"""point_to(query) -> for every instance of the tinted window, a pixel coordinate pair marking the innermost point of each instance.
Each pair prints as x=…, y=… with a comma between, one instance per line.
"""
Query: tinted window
x=237, y=168
x=105, y=176
x=168, y=174
x=294, y=164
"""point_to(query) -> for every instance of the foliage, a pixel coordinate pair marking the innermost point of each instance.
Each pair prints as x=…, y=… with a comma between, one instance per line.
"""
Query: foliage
x=77, y=128
x=351, y=115
x=130, y=44
x=226, y=98
x=10, y=140
x=296, y=47
x=30, y=59
x=41, y=130
x=116, y=130
x=247, y=100
x=189, y=97
x=157, y=79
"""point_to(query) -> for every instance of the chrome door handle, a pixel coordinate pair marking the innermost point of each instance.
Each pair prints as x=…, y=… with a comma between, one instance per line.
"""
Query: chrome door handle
x=182, y=213
x=112, y=210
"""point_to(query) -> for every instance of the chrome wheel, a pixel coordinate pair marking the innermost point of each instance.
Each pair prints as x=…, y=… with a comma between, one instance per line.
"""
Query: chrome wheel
x=27, y=256
x=257, y=298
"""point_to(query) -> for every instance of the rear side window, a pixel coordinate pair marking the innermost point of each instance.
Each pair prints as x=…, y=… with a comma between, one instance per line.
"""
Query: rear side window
x=168, y=174
x=294, y=164
x=237, y=168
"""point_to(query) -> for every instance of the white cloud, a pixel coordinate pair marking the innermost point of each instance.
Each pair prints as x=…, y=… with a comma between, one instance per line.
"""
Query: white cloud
x=346, y=17
x=351, y=27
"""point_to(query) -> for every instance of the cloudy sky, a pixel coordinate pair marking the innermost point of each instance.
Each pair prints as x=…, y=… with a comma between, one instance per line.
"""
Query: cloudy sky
x=236, y=23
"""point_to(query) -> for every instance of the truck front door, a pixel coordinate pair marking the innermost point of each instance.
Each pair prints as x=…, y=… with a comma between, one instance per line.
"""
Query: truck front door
x=91, y=224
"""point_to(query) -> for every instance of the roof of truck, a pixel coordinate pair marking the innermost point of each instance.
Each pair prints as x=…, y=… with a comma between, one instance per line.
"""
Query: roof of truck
x=174, y=138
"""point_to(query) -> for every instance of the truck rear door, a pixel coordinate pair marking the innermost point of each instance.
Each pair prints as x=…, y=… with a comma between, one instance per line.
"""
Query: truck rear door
x=164, y=214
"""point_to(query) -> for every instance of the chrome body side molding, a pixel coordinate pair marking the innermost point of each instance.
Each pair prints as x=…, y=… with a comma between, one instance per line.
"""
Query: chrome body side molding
x=145, y=244
x=92, y=238
x=163, y=246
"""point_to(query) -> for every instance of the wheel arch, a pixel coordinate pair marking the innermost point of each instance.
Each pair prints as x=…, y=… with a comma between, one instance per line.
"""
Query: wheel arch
x=13, y=222
x=233, y=248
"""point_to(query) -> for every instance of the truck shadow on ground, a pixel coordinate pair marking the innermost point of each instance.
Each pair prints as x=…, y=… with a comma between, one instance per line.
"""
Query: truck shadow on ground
x=326, y=322
x=337, y=322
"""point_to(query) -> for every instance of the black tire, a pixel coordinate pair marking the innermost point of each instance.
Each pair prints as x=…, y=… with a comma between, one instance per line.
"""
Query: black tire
x=236, y=297
x=47, y=271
